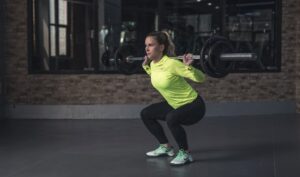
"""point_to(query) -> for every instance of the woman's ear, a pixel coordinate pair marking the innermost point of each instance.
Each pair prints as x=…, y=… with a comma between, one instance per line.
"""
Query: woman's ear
x=161, y=48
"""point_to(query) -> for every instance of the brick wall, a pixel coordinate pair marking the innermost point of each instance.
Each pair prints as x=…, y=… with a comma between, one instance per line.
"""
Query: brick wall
x=119, y=89
x=297, y=80
x=2, y=14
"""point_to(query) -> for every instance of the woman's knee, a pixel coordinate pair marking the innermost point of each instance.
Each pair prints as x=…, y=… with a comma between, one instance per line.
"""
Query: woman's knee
x=145, y=113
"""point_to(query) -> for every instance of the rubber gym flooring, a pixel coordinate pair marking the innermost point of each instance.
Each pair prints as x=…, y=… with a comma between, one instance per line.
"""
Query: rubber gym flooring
x=245, y=146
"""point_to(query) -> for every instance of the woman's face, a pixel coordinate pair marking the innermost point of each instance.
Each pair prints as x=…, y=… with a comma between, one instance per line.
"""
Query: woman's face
x=153, y=49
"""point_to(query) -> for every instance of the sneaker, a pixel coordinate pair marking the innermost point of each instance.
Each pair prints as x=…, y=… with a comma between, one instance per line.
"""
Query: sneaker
x=182, y=157
x=162, y=150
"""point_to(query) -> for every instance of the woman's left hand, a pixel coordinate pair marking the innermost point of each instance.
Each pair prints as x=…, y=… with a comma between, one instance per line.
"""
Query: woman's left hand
x=188, y=59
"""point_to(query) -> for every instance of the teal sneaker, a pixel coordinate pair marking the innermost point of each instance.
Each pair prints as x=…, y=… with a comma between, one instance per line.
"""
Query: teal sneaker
x=182, y=157
x=162, y=150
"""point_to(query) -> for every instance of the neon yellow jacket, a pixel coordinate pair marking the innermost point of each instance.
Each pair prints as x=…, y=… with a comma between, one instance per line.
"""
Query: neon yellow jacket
x=168, y=77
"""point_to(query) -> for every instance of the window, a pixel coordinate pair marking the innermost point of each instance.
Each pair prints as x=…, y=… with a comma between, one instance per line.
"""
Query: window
x=63, y=36
x=85, y=36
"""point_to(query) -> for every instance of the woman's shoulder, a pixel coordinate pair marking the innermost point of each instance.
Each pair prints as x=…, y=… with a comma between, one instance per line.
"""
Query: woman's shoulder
x=173, y=61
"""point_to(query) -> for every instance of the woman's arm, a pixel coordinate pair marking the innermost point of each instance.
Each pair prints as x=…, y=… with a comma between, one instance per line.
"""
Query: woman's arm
x=185, y=69
x=146, y=65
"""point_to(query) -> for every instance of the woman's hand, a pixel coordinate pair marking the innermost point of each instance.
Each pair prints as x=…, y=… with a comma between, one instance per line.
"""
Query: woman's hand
x=146, y=60
x=188, y=59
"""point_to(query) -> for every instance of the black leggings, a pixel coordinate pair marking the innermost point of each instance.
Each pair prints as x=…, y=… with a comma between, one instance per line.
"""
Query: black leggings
x=187, y=114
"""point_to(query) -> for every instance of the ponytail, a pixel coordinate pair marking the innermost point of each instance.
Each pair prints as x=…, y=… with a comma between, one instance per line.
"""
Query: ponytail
x=170, y=51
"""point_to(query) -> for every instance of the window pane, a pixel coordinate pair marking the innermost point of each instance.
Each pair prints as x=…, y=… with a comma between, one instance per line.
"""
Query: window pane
x=63, y=11
x=52, y=41
x=251, y=28
x=62, y=41
x=52, y=11
x=191, y=23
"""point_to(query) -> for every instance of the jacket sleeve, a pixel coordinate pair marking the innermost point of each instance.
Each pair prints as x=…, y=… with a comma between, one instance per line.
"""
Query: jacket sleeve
x=147, y=68
x=180, y=69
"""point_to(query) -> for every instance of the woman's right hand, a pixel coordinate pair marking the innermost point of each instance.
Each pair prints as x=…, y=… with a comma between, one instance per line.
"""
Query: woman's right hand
x=146, y=60
x=188, y=59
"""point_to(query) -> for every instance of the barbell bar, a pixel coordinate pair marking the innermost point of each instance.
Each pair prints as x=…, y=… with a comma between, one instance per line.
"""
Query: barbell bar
x=216, y=59
x=223, y=57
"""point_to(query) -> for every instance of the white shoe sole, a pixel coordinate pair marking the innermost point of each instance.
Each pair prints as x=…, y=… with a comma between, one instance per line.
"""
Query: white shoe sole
x=170, y=154
x=189, y=160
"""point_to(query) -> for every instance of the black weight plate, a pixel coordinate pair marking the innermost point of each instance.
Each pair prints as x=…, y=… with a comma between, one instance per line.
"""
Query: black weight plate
x=126, y=66
x=214, y=54
x=204, y=57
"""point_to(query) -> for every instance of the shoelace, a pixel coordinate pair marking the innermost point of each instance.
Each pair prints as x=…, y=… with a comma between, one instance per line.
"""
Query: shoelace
x=181, y=155
x=162, y=148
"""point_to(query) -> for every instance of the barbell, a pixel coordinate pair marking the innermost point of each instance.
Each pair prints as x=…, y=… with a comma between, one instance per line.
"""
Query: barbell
x=216, y=59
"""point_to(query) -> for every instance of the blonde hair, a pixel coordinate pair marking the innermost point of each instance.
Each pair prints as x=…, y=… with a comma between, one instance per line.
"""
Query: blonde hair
x=163, y=38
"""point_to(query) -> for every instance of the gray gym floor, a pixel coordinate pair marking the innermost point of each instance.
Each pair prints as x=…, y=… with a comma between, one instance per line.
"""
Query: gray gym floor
x=254, y=146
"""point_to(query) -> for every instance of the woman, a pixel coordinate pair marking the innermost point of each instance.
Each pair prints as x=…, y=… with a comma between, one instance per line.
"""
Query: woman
x=183, y=105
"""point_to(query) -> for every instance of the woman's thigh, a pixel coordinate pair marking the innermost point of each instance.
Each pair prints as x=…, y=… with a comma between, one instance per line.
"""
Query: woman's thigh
x=156, y=111
x=190, y=113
